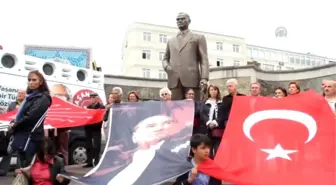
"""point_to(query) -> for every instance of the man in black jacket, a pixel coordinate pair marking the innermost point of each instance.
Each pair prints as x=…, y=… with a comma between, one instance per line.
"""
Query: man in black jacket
x=113, y=98
x=93, y=132
x=5, y=162
x=19, y=99
x=225, y=109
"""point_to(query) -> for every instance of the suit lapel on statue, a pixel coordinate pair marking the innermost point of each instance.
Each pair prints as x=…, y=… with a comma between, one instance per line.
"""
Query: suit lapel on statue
x=183, y=41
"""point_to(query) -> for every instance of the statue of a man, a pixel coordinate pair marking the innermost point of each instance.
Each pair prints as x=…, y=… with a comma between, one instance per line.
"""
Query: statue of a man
x=186, y=60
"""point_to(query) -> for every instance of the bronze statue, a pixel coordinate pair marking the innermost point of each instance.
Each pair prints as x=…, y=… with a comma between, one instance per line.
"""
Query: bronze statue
x=186, y=60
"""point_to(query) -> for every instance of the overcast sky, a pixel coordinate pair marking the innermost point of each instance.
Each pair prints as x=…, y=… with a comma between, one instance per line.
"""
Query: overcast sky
x=101, y=25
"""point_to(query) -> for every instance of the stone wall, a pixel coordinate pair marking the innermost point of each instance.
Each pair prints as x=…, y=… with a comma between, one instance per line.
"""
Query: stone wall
x=147, y=88
x=309, y=78
x=244, y=84
x=305, y=84
x=144, y=92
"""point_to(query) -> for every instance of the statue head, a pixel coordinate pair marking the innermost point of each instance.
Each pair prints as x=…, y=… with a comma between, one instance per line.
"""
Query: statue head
x=183, y=21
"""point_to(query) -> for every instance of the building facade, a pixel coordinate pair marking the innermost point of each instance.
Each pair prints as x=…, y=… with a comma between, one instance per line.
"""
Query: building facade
x=275, y=59
x=145, y=45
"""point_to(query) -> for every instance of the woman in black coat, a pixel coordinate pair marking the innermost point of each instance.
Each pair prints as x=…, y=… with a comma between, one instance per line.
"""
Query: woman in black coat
x=30, y=118
x=209, y=117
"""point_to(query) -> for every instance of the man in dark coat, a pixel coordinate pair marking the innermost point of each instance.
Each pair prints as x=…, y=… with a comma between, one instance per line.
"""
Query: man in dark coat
x=224, y=111
x=93, y=132
x=5, y=162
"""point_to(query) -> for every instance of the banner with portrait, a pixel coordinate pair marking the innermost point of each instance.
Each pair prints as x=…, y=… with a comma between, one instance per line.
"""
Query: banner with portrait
x=148, y=144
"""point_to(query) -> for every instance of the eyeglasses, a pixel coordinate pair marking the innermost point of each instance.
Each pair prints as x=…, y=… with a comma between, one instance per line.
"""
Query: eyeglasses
x=32, y=79
x=164, y=94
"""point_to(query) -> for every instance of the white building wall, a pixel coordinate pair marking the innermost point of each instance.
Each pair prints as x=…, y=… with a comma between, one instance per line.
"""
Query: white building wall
x=274, y=59
x=134, y=64
x=221, y=52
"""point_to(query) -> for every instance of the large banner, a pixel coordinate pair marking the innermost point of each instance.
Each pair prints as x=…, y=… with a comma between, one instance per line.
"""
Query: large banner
x=148, y=144
x=7, y=95
x=61, y=114
x=74, y=93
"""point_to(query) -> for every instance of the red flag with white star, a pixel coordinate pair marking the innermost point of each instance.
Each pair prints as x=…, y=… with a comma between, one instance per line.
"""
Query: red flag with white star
x=287, y=141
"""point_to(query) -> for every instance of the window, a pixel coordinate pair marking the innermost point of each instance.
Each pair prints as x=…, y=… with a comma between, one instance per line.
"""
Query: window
x=146, y=73
x=318, y=62
x=268, y=54
x=163, y=38
x=289, y=68
x=220, y=62
x=162, y=74
x=235, y=48
x=255, y=52
x=279, y=56
x=285, y=57
x=249, y=52
x=303, y=62
x=277, y=68
x=146, y=36
x=297, y=60
x=313, y=62
x=273, y=55
x=161, y=55
x=291, y=59
x=262, y=53
x=308, y=61
x=146, y=54
x=219, y=46
x=236, y=63
x=268, y=67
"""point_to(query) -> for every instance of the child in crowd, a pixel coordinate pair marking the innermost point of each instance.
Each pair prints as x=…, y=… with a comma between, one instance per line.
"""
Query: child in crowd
x=200, y=147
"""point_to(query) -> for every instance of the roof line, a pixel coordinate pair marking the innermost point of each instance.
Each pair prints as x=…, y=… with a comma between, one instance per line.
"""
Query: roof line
x=205, y=32
x=294, y=52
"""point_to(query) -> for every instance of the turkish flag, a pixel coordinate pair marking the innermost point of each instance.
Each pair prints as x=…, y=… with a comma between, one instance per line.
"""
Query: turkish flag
x=288, y=141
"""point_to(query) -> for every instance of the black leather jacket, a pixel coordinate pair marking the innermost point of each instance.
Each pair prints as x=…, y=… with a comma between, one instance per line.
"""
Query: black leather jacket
x=32, y=110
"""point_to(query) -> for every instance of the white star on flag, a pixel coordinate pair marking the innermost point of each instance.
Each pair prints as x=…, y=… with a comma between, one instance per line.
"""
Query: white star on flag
x=278, y=151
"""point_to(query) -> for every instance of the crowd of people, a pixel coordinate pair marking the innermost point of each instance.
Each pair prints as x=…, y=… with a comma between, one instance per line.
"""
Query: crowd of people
x=212, y=114
x=210, y=119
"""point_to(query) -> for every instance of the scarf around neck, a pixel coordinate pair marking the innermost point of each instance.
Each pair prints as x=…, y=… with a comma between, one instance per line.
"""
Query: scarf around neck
x=20, y=111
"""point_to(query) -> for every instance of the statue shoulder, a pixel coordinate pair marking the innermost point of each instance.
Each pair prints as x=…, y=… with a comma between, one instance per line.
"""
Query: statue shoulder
x=197, y=35
x=170, y=39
